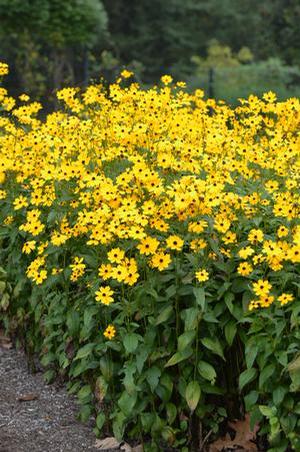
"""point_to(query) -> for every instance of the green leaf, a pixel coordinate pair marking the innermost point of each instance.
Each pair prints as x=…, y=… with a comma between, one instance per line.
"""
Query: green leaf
x=251, y=351
x=267, y=411
x=192, y=394
x=164, y=315
x=228, y=298
x=141, y=357
x=265, y=374
x=213, y=345
x=85, y=412
x=278, y=395
x=73, y=322
x=250, y=400
x=126, y=402
x=131, y=341
x=199, y=293
x=100, y=420
x=152, y=376
x=2, y=287
x=240, y=285
x=178, y=357
x=191, y=318
x=84, y=392
x=246, y=377
x=119, y=426
x=101, y=387
x=84, y=351
x=171, y=412
x=128, y=381
x=207, y=371
x=230, y=331
x=185, y=339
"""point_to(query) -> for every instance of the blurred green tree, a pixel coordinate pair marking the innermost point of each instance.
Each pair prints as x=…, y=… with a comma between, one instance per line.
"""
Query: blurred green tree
x=46, y=36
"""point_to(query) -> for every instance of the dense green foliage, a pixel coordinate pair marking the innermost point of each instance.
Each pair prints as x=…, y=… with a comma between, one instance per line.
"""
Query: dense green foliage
x=59, y=42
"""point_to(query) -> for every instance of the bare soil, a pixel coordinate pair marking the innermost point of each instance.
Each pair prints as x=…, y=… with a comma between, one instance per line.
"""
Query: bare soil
x=34, y=416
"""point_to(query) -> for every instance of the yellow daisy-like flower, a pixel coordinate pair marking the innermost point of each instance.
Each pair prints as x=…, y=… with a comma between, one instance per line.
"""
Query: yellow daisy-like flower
x=282, y=231
x=202, y=275
x=105, y=271
x=262, y=287
x=244, y=269
x=255, y=235
x=285, y=298
x=28, y=246
x=105, y=295
x=110, y=332
x=161, y=261
x=244, y=253
x=174, y=242
x=116, y=255
x=126, y=74
x=148, y=245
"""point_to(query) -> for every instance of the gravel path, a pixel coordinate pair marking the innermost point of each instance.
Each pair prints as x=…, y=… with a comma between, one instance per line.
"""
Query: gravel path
x=45, y=424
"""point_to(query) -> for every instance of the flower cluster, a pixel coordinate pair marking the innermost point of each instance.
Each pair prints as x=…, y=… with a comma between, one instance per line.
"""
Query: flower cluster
x=149, y=180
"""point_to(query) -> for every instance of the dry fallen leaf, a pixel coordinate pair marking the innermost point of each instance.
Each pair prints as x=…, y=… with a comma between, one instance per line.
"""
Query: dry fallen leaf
x=138, y=448
x=112, y=443
x=243, y=437
x=28, y=397
x=5, y=341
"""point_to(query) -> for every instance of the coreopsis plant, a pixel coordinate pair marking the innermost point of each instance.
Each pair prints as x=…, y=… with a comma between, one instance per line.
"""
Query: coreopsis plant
x=152, y=238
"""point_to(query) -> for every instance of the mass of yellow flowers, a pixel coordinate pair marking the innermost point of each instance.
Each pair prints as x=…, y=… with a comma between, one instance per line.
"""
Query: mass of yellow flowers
x=146, y=179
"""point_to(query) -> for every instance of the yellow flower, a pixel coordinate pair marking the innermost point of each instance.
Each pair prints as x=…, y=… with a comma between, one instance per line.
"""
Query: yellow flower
x=262, y=287
x=166, y=79
x=174, y=242
x=20, y=202
x=116, y=255
x=244, y=253
x=110, y=332
x=29, y=246
x=255, y=235
x=3, y=69
x=160, y=261
x=285, y=298
x=126, y=74
x=105, y=271
x=202, y=275
x=282, y=231
x=105, y=295
x=244, y=269
x=148, y=246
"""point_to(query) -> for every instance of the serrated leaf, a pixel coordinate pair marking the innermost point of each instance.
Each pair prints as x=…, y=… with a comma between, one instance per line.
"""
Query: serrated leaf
x=131, y=341
x=192, y=394
x=152, y=376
